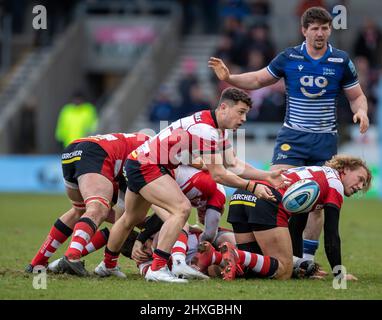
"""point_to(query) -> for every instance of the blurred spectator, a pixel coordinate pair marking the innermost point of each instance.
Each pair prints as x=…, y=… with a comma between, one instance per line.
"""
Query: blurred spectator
x=368, y=79
x=260, y=10
x=268, y=103
x=224, y=48
x=369, y=44
x=259, y=39
x=196, y=103
x=77, y=119
x=188, y=79
x=235, y=29
x=256, y=60
x=162, y=108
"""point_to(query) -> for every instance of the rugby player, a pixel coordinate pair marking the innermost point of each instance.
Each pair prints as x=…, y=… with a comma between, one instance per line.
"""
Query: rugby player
x=92, y=171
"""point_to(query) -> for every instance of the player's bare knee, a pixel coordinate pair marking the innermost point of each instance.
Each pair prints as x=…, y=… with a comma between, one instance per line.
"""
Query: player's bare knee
x=184, y=210
x=97, y=212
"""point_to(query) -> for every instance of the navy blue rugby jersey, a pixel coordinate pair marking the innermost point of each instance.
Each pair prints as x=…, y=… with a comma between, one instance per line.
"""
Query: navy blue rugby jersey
x=313, y=86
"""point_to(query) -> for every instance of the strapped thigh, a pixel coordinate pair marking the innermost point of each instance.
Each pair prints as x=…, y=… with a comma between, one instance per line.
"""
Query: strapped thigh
x=103, y=201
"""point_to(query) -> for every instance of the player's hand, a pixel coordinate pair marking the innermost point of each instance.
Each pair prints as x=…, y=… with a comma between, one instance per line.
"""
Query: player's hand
x=277, y=179
x=263, y=192
x=350, y=277
x=363, y=119
x=138, y=254
x=321, y=272
x=220, y=68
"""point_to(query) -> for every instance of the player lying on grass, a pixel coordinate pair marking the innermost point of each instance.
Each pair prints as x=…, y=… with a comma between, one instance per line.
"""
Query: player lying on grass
x=92, y=171
x=262, y=226
x=203, y=134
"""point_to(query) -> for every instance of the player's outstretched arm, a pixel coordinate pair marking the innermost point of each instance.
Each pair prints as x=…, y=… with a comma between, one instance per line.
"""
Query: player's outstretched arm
x=246, y=171
x=248, y=81
x=220, y=174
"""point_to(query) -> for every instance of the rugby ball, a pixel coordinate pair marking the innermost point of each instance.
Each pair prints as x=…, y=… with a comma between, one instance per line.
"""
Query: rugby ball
x=301, y=196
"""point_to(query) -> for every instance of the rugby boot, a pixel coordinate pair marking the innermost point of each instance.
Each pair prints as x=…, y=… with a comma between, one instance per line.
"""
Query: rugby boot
x=73, y=267
x=182, y=270
x=231, y=264
x=102, y=271
x=163, y=275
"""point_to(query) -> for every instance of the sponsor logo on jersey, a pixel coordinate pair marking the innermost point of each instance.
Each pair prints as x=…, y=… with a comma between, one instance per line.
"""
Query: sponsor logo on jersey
x=336, y=60
x=310, y=82
x=300, y=67
x=285, y=147
x=296, y=56
x=281, y=156
x=73, y=154
x=198, y=116
x=328, y=71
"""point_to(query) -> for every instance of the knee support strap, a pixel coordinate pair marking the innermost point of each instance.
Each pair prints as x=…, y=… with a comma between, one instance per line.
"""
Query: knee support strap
x=103, y=201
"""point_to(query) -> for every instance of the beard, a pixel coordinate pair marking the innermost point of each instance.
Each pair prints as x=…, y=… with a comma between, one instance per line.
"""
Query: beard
x=318, y=44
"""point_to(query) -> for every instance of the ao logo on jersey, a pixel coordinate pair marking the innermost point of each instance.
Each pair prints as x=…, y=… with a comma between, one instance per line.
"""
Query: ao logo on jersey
x=301, y=196
x=309, y=82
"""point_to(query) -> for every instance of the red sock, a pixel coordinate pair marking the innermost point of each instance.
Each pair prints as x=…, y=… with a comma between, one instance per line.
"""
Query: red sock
x=82, y=233
x=57, y=236
x=216, y=258
x=160, y=259
x=110, y=258
x=96, y=242
x=258, y=263
x=180, y=246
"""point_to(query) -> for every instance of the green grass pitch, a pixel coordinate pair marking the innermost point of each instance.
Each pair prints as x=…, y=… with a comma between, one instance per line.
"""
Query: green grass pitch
x=26, y=219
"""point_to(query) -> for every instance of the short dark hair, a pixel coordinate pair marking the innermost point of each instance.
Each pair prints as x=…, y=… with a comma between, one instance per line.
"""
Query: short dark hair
x=235, y=95
x=315, y=14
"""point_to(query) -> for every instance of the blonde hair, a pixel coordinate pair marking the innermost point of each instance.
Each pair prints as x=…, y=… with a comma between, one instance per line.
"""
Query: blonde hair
x=340, y=162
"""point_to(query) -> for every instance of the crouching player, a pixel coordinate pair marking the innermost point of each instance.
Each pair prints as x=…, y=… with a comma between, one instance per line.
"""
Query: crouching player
x=92, y=171
x=258, y=223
